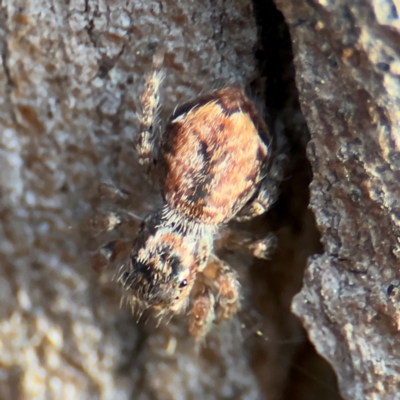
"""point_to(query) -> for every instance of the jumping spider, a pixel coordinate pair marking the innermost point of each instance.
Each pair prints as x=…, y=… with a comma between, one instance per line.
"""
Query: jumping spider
x=215, y=164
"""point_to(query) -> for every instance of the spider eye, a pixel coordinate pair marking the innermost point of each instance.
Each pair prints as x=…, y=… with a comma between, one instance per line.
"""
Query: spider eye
x=183, y=284
x=175, y=263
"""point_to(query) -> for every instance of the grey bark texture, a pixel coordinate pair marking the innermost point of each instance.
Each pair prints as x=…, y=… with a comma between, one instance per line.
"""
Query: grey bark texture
x=347, y=59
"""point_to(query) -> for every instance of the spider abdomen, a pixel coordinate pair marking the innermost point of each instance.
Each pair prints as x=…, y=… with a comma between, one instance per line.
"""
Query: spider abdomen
x=211, y=156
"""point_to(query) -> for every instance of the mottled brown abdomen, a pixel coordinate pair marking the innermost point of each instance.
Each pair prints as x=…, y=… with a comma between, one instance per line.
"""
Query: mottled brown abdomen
x=211, y=155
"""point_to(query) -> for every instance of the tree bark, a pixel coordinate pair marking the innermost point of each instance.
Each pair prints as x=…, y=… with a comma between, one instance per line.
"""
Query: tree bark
x=346, y=57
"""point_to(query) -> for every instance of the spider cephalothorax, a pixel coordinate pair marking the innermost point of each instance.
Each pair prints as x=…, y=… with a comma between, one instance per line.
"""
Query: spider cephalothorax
x=165, y=258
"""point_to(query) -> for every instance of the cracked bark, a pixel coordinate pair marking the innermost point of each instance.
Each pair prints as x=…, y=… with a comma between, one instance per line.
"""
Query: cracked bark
x=346, y=57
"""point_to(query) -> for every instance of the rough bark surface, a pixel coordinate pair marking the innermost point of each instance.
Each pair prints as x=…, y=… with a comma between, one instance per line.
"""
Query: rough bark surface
x=347, y=61
x=70, y=79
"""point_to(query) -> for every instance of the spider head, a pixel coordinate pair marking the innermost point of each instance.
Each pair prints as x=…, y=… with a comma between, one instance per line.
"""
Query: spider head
x=163, y=264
